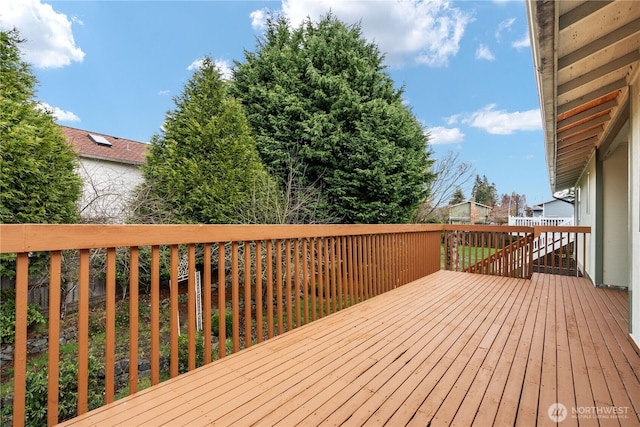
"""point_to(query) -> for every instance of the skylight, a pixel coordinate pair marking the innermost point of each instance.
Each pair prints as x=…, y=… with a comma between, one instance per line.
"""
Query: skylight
x=100, y=140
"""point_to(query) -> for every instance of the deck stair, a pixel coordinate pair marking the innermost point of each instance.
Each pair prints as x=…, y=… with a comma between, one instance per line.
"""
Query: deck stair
x=555, y=249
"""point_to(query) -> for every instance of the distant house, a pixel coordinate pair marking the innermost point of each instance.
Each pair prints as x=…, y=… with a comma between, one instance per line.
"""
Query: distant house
x=469, y=212
x=110, y=169
x=553, y=209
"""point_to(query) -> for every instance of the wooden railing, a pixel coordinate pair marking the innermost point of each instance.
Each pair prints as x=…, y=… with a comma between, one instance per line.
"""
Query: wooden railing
x=514, y=251
x=266, y=279
x=271, y=279
x=560, y=250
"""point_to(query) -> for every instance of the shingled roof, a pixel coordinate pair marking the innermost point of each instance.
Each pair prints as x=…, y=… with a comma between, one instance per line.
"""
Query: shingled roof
x=107, y=148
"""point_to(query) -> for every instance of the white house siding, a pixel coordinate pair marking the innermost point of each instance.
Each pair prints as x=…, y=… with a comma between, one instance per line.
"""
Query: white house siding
x=634, y=209
x=557, y=209
x=615, y=220
x=586, y=214
x=107, y=187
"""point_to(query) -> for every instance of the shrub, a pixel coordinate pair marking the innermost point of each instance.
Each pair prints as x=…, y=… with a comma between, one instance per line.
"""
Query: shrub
x=183, y=351
x=228, y=325
x=8, y=316
x=36, y=391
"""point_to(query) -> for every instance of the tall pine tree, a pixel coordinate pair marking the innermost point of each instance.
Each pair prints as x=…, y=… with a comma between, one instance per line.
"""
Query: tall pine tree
x=318, y=99
x=38, y=183
x=203, y=166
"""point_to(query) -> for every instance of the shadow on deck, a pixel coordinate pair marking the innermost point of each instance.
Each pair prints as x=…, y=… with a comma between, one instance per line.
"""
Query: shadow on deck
x=450, y=348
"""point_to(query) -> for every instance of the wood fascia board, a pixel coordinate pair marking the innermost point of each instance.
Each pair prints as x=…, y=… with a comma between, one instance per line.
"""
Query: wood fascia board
x=543, y=30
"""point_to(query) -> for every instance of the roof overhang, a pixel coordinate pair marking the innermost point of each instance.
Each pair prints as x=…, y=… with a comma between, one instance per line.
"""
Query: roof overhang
x=584, y=54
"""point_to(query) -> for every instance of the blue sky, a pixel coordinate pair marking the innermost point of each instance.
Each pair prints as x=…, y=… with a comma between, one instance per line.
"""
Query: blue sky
x=113, y=67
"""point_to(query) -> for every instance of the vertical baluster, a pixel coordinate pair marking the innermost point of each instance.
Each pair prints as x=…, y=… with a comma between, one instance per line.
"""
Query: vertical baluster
x=305, y=279
x=287, y=263
x=312, y=288
x=280, y=319
x=134, y=255
x=54, y=336
x=259, y=317
x=191, y=306
x=320, y=284
x=20, y=342
x=340, y=272
x=83, y=332
x=327, y=268
x=235, y=297
x=174, y=326
x=110, y=340
x=222, y=302
x=296, y=279
x=206, y=303
x=269, y=288
x=247, y=295
x=334, y=276
x=155, y=315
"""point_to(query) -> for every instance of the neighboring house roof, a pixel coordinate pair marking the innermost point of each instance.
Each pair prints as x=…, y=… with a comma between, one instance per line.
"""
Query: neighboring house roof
x=108, y=147
x=469, y=202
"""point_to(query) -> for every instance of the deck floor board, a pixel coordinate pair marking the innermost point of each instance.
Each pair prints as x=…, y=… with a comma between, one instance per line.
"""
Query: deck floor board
x=451, y=348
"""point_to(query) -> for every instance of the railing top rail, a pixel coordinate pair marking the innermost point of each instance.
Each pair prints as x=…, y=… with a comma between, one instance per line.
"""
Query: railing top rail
x=562, y=229
x=56, y=237
x=489, y=228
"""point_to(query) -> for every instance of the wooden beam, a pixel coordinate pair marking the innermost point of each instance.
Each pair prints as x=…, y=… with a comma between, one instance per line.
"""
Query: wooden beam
x=580, y=12
x=598, y=110
x=597, y=122
x=601, y=71
x=592, y=96
x=577, y=139
x=604, y=42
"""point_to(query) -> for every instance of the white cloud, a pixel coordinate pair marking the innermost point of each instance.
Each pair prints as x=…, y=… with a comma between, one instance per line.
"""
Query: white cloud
x=423, y=32
x=259, y=18
x=196, y=65
x=483, y=52
x=224, y=67
x=451, y=120
x=524, y=42
x=501, y=122
x=49, y=39
x=504, y=26
x=164, y=92
x=442, y=135
x=58, y=113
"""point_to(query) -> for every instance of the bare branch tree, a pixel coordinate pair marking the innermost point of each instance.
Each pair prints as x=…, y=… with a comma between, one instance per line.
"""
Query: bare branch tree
x=293, y=202
x=450, y=173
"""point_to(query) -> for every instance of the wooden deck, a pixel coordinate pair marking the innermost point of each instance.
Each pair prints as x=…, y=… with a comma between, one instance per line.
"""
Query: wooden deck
x=450, y=348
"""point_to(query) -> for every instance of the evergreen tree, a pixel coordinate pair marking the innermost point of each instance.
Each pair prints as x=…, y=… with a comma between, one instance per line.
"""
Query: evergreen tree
x=202, y=167
x=483, y=192
x=317, y=96
x=458, y=197
x=38, y=183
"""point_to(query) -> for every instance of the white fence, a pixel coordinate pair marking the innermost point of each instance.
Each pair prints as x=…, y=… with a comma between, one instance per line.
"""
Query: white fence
x=540, y=221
